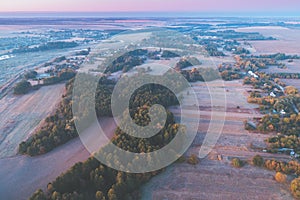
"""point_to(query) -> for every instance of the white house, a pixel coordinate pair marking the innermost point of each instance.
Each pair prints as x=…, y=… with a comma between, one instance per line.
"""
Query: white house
x=252, y=74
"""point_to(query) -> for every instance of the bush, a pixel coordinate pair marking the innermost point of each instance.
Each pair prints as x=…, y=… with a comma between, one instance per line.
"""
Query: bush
x=291, y=90
x=280, y=177
x=258, y=161
x=236, y=162
x=295, y=187
x=22, y=87
x=169, y=54
x=193, y=160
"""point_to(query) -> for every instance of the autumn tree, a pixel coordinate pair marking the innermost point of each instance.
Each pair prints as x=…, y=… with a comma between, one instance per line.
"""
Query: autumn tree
x=193, y=159
x=280, y=177
x=291, y=90
x=295, y=187
x=100, y=196
x=236, y=162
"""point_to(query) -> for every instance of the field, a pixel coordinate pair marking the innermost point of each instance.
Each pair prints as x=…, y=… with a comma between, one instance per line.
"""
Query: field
x=26, y=174
x=217, y=179
x=293, y=82
x=288, y=40
x=20, y=115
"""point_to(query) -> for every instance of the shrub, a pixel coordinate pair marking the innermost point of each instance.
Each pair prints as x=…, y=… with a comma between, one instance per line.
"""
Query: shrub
x=258, y=161
x=236, y=162
x=193, y=160
x=280, y=177
x=22, y=87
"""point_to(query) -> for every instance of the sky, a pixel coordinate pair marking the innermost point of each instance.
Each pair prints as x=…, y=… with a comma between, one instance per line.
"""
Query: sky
x=261, y=6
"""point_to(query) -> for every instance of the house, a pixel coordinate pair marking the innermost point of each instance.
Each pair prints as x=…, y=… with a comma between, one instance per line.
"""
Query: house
x=252, y=74
x=272, y=94
x=282, y=112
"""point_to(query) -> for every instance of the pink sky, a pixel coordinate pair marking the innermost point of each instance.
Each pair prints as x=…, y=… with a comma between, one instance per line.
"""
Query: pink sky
x=152, y=5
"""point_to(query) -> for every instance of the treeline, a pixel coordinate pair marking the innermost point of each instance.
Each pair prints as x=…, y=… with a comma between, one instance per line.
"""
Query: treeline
x=212, y=50
x=169, y=54
x=187, y=62
x=286, y=75
x=134, y=58
x=254, y=64
x=94, y=181
x=46, y=47
x=278, y=56
x=232, y=34
x=127, y=61
x=241, y=50
x=23, y=87
x=201, y=74
x=284, y=141
x=64, y=75
x=230, y=75
x=210, y=74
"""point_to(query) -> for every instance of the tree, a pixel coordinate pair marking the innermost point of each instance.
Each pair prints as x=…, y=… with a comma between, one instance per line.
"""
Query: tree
x=100, y=196
x=112, y=194
x=38, y=195
x=30, y=75
x=193, y=160
x=295, y=187
x=280, y=177
x=22, y=87
x=56, y=195
x=257, y=161
x=236, y=162
x=291, y=90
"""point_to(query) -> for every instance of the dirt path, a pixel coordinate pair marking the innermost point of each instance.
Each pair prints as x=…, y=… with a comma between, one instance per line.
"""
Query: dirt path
x=20, y=115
